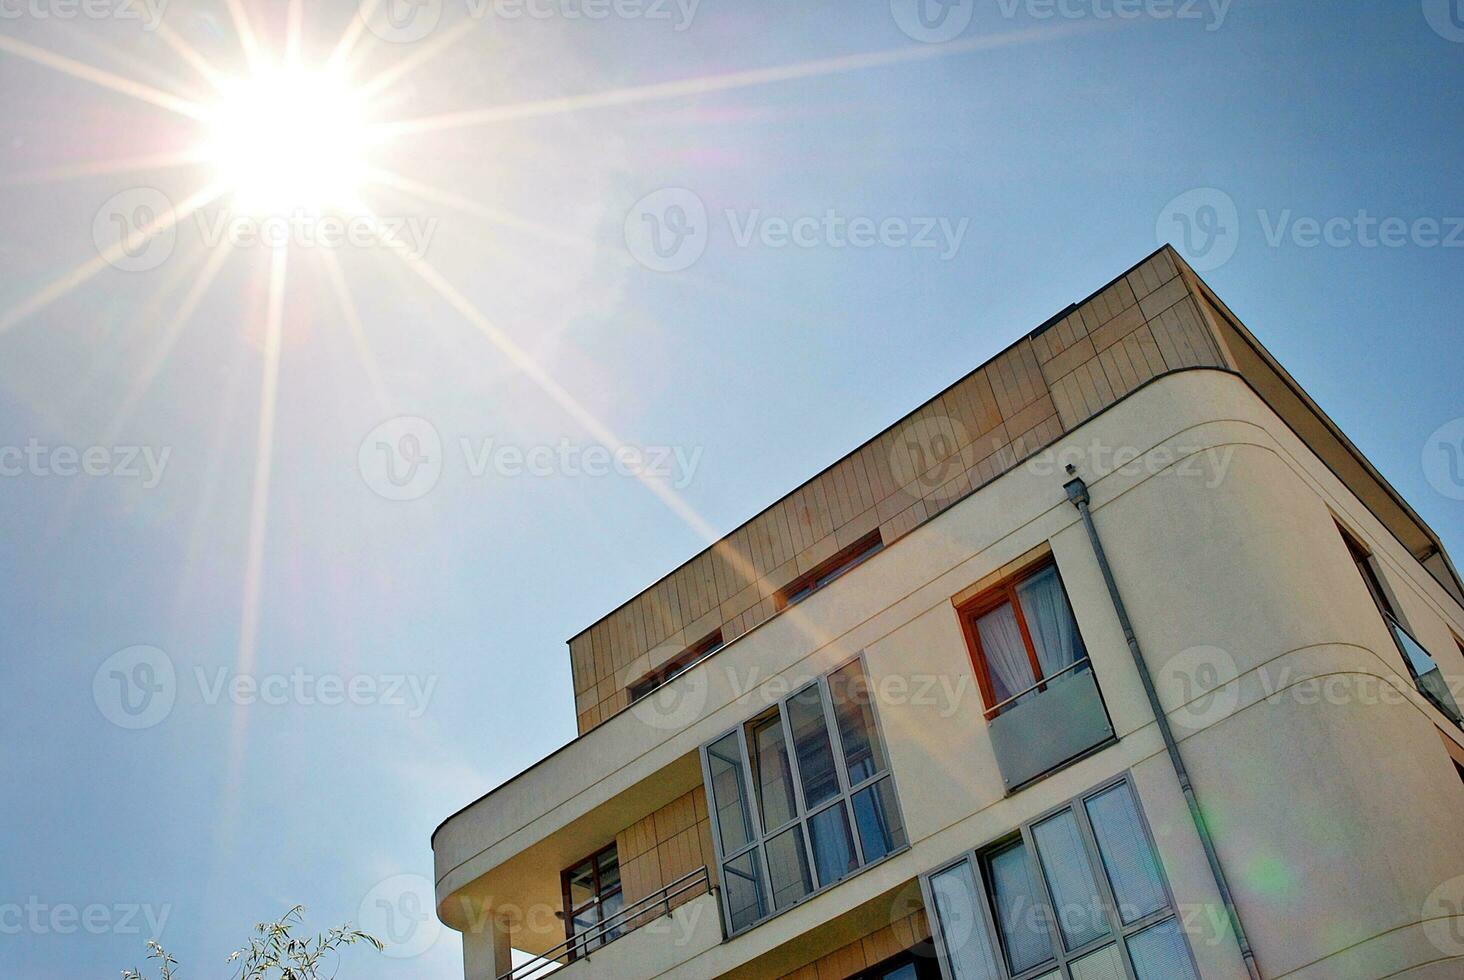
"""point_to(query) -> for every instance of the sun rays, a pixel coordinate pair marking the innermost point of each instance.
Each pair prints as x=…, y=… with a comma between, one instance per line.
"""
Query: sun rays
x=108, y=80
x=148, y=162
x=260, y=63
x=108, y=257
x=712, y=84
x=276, y=155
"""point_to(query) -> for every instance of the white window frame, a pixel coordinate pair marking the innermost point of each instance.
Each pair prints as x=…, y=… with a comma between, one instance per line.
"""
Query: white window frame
x=761, y=836
x=1062, y=958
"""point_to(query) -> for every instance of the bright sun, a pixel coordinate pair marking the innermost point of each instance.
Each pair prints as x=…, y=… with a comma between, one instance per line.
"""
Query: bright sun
x=287, y=140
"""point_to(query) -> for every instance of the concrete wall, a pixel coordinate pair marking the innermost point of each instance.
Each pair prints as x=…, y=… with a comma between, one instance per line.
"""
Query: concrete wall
x=1334, y=803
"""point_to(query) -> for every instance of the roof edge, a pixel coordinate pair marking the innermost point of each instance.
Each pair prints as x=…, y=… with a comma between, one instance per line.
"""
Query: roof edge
x=1041, y=328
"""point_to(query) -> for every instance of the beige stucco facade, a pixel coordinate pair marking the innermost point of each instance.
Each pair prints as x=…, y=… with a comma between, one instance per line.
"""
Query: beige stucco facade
x=1325, y=776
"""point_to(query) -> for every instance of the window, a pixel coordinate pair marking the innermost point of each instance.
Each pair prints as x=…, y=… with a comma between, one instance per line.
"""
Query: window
x=801, y=797
x=1364, y=561
x=592, y=896
x=806, y=585
x=678, y=666
x=909, y=965
x=1076, y=893
x=1424, y=670
x=1022, y=635
x=771, y=773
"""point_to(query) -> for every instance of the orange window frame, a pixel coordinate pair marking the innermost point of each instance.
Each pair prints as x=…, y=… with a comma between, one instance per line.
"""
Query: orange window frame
x=973, y=609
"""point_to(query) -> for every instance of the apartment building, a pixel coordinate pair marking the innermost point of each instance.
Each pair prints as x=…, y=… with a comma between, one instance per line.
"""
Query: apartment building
x=1115, y=659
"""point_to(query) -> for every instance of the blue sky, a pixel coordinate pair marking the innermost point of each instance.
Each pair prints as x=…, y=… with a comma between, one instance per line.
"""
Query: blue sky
x=401, y=657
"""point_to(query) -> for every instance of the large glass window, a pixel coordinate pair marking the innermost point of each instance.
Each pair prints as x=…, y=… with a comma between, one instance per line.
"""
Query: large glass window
x=1128, y=860
x=833, y=846
x=956, y=899
x=1024, y=937
x=1075, y=894
x=1070, y=880
x=854, y=708
x=770, y=772
x=878, y=816
x=1022, y=635
x=822, y=803
x=729, y=801
x=592, y=897
x=811, y=742
x=788, y=867
x=743, y=882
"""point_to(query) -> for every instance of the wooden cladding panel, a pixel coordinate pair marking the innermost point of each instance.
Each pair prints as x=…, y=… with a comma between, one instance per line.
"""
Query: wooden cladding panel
x=1152, y=274
x=664, y=846
x=871, y=950
x=1144, y=324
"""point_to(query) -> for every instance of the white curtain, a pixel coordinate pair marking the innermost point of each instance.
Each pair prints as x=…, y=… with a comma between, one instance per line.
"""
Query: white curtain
x=1050, y=621
x=833, y=848
x=1006, y=654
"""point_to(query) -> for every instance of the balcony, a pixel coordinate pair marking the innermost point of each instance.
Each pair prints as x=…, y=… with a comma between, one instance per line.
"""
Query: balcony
x=1050, y=724
x=1426, y=674
x=665, y=929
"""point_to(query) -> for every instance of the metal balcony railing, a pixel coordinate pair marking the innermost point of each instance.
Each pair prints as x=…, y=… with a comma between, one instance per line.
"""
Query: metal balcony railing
x=1041, y=685
x=617, y=926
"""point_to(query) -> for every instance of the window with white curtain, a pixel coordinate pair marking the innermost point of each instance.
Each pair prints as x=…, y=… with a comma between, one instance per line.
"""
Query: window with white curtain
x=1077, y=894
x=801, y=797
x=1023, y=636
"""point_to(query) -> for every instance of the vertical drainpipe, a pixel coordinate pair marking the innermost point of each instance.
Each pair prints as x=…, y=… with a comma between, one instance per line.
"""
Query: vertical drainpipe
x=1077, y=492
